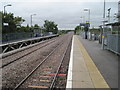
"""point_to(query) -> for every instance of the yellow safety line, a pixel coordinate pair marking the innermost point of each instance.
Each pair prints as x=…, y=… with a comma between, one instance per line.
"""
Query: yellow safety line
x=96, y=77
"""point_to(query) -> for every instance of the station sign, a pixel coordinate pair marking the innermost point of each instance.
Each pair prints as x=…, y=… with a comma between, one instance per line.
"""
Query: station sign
x=87, y=24
x=5, y=24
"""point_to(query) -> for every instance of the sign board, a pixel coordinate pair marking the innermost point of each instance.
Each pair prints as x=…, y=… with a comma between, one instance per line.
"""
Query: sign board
x=82, y=24
x=85, y=24
x=5, y=24
x=103, y=36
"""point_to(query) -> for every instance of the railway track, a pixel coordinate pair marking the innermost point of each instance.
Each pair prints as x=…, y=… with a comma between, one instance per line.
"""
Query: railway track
x=61, y=81
x=58, y=73
x=51, y=77
x=15, y=72
x=49, y=42
x=25, y=52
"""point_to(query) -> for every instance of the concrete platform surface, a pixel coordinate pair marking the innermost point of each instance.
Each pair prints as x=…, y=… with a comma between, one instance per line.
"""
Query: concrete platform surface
x=82, y=72
x=106, y=61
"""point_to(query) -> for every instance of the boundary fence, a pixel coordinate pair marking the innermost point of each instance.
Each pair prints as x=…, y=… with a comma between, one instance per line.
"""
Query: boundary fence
x=113, y=43
x=16, y=36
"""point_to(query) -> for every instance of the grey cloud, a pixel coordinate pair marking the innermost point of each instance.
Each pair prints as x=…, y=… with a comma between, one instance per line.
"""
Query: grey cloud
x=65, y=14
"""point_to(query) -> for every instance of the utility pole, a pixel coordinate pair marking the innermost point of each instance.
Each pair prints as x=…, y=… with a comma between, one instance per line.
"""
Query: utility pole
x=88, y=24
x=88, y=14
x=4, y=14
x=6, y=6
x=31, y=18
x=109, y=14
x=103, y=36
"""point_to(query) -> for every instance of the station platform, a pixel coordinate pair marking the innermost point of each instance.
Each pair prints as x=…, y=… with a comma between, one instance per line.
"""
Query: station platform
x=82, y=72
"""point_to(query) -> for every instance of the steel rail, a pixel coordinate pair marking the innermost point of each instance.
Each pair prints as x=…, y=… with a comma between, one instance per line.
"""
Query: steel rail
x=58, y=69
x=18, y=85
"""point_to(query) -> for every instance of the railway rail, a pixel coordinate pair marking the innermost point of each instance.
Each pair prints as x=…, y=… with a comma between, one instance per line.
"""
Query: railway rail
x=34, y=69
x=26, y=75
x=61, y=79
x=54, y=76
x=52, y=86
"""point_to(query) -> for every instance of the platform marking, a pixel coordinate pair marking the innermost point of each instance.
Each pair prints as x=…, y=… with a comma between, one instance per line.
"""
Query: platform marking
x=53, y=74
x=69, y=76
x=97, y=78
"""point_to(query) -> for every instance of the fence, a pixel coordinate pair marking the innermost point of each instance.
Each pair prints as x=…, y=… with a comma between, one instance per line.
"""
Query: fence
x=90, y=36
x=113, y=43
x=16, y=36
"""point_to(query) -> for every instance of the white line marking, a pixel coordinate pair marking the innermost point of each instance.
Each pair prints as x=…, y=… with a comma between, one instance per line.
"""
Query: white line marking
x=69, y=77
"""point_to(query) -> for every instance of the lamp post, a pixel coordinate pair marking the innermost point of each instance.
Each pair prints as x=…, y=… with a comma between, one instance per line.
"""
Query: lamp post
x=88, y=14
x=82, y=19
x=88, y=25
x=6, y=6
x=115, y=16
x=109, y=14
x=103, y=37
x=31, y=18
x=5, y=24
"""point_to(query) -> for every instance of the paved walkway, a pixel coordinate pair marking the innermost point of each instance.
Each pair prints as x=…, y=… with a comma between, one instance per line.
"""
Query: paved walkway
x=82, y=72
x=106, y=61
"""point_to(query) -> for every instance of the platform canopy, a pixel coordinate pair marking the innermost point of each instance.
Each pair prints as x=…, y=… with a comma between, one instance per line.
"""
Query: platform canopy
x=114, y=24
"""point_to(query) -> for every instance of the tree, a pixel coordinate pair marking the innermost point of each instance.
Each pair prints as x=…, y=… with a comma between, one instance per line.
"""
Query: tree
x=24, y=29
x=77, y=29
x=50, y=26
x=11, y=22
x=18, y=20
x=36, y=26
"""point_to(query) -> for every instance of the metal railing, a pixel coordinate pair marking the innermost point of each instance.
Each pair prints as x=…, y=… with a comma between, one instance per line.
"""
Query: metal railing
x=19, y=44
x=90, y=36
x=113, y=43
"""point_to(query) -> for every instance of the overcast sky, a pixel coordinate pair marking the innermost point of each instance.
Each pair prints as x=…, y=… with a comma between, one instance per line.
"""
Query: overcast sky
x=66, y=13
